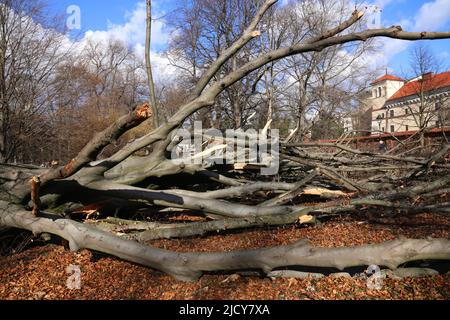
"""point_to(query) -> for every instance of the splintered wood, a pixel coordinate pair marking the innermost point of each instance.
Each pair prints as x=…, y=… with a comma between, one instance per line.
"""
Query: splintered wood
x=35, y=185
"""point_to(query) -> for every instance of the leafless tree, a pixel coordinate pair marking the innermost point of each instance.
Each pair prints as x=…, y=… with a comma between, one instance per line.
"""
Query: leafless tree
x=429, y=106
x=326, y=83
x=97, y=83
x=204, y=29
x=31, y=47
x=148, y=63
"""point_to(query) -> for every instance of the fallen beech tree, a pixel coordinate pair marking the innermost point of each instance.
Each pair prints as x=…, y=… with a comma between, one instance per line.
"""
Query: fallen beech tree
x=314, y=172
x=189, y=266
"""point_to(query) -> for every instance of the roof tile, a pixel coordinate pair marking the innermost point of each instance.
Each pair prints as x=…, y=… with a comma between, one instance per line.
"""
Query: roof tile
x=387, y=77
x=434, y=82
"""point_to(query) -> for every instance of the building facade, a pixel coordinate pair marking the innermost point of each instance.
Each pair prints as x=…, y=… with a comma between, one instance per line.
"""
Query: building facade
x=397, y=105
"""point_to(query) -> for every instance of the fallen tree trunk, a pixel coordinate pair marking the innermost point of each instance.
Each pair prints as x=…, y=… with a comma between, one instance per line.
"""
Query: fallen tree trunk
x=142, y=231
x=190, y=266
x=145, y=231
x=123, y=175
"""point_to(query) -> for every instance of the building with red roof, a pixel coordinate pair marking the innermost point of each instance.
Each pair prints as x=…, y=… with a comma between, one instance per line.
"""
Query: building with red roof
x=398, y=105
x=387, y=77
x=428, y=82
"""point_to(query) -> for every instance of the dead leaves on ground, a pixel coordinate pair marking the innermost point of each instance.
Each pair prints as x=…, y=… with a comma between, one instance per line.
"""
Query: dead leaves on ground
x=39, y=273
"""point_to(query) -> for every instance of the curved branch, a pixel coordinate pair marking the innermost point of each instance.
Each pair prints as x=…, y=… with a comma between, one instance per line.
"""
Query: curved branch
x=246, y=36
x=189, y=266
x=208, y=97
x=171, y=198
x=101, y=140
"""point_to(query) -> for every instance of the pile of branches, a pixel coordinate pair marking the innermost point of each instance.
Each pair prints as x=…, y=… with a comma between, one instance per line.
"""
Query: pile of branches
x=355, y=180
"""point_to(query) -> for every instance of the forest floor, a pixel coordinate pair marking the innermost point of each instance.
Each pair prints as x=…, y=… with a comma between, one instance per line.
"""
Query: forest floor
x=40, y=272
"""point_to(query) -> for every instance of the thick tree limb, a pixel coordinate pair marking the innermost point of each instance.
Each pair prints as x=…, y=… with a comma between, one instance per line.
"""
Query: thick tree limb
x=294, y=192
x=144, y=231
x=189, y=266
x=101, y=140
x=248, y=34
x=173, y=199
x=15, y=181
x=239, y=191
x=208, y=96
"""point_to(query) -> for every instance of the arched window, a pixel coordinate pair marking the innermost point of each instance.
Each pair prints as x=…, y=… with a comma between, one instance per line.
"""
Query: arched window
x=379, y=91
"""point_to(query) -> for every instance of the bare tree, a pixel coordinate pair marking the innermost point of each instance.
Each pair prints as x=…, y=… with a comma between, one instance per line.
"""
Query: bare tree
x=429, y=106
x=30, y=50
x=325, y=83
x=97, y=83
x=204, y=30
x=148, y=63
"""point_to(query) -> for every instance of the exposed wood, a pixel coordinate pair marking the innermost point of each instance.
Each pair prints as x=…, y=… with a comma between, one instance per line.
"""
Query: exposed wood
x=248, y=166
x=296, y=190
x=35, y=186
x=95, y=146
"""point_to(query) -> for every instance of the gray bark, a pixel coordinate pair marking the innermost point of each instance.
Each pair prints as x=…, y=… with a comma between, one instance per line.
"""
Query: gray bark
x=189, y=266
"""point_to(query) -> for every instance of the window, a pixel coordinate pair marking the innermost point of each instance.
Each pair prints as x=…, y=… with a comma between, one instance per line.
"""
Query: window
x=392, y=129
x=382, y=129
x=392, y=113
x=406, y=111
x=406, y=128
x=437, y=105
x=438, y=124
x=379, y=91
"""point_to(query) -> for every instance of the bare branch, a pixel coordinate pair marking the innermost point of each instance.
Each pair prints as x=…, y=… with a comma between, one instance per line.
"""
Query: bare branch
x=246, y=36
x=148, y=64
x=95, y=146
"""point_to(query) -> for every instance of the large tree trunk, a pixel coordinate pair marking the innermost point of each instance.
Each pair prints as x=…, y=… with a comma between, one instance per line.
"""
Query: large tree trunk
x=329, y=173
x=189, y=266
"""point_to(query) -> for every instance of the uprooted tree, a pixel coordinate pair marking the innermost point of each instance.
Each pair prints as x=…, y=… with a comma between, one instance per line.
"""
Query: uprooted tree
x=354, y=179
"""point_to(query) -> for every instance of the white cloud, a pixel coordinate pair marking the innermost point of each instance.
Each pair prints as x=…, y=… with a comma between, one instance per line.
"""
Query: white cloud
x=443, y=55
x=431, y=16
x=132, y=33
x=163, y=71
x=133, y=30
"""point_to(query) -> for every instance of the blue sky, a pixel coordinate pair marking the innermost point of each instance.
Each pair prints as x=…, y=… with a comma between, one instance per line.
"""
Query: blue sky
x=417, y=15
x=124, y=18
x=98, y=15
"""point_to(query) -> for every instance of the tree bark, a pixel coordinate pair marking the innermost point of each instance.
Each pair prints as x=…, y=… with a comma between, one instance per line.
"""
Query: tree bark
x=118, y=175
x=190, y=266
x=148, y=64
